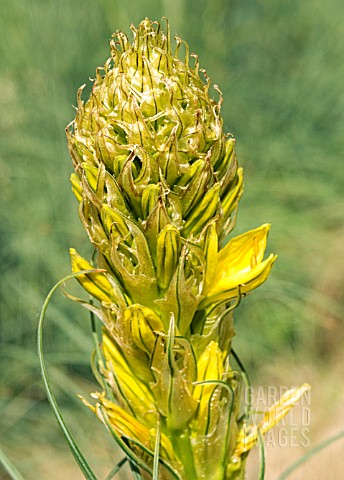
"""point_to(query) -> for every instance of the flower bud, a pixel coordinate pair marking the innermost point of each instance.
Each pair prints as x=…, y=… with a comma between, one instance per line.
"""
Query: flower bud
x=196, y=187
x=132, y=392
x=150, y=199
x=168, y=254
x=211, y=253
x=143, y=324
x=76, y=186
x=202, y=213
x=96, y=283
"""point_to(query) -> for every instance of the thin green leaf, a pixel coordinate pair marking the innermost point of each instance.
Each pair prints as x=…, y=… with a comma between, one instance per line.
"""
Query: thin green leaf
x=95, y=371
x=220, y=383
x=261, y=474
x=83, y=465
x=9, y=467
x=135, y=471
x=156, y=453
x=246, y=378
x=326, y=443
x=116, y=469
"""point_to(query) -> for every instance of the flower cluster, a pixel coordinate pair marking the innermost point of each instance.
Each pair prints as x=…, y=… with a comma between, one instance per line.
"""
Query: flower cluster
x=159, y=185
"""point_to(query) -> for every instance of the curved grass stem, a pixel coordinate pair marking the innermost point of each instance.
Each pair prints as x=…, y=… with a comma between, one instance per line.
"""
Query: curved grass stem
x=80, y=459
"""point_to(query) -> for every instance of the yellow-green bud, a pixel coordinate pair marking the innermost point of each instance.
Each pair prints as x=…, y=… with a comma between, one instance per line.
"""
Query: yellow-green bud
x=150, y=197
x=143, y=325
x=168, y=253
x=203, y=212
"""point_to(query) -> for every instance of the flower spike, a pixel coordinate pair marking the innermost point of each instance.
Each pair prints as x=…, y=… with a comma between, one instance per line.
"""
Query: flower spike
x=158, y=186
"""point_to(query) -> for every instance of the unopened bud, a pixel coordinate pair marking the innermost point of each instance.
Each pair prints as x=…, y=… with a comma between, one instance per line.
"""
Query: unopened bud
x=202, y=213
x=142, y=323
x=168, y=252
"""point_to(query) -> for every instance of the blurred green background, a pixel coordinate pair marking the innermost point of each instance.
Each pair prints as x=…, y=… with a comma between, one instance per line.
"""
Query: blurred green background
x=280, y=67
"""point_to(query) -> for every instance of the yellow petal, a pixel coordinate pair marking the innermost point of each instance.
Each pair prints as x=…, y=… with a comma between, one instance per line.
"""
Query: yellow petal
x=127, y=426
x=132, y=391
x=240, y=264
x=124, y=423
x=209, y=368
x=242, y=253
x=250, y=279
x=96, y=283
x=274, y=415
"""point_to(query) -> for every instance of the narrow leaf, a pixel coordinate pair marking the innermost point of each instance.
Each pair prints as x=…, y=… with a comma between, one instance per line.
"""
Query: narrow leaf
x=116, y=469
x=326, y=443
x=156, y=454
x=83, y=465
x=261, y=474
x=9, y=467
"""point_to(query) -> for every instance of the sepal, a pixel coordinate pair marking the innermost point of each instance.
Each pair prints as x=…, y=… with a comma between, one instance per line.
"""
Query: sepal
x=174, y=368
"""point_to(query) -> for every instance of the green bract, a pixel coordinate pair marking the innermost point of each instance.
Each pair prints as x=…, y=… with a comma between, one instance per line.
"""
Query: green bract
x=159, y=185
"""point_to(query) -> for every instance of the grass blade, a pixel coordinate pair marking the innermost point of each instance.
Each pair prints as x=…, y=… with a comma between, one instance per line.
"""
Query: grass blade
x=9, y=467
x=83, y=465
x=135, y=471
x=326, y=443
x=261, y=474
x=117, y=468
x=156, y=453
x=247, y=381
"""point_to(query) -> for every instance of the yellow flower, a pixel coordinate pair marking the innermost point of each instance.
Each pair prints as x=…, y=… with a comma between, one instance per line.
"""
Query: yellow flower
x=240, y=264
x=209, y=368
x=248, y=436
x=96, y=283
x=131, y=391
x=128, y=427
